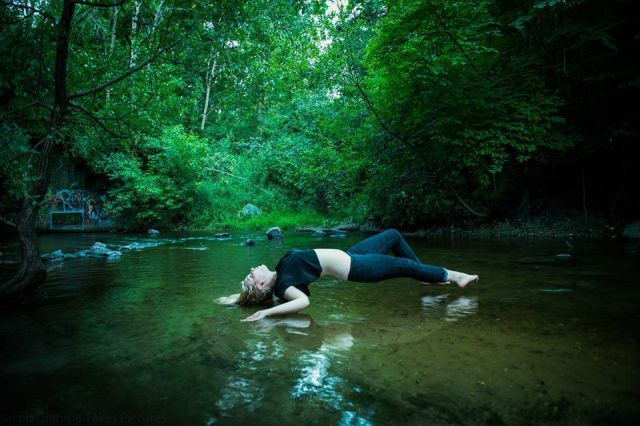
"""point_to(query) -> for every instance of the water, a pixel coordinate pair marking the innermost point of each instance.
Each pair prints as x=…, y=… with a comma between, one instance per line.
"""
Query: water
x=140, y=340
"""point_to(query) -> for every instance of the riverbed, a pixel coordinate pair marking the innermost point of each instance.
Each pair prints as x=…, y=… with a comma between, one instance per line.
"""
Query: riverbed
x=139, y=339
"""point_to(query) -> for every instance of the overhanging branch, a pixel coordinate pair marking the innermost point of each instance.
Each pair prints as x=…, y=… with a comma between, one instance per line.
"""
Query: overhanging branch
x=8, y=222
x=31, y=104
x=121, y=77
x=30, y=9
x=94, y=4
x=95, y=120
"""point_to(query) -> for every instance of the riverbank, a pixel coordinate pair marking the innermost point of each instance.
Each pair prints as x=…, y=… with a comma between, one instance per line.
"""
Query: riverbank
x=547, y=225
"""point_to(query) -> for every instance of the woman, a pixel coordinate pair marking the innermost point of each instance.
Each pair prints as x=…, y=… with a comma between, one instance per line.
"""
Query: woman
x=367, y=261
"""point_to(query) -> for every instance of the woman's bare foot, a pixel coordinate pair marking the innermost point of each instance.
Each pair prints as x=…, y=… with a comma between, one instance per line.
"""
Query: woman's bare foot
x=461, y=279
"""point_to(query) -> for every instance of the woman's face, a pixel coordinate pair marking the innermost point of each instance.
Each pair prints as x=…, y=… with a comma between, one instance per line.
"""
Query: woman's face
x=258, y=276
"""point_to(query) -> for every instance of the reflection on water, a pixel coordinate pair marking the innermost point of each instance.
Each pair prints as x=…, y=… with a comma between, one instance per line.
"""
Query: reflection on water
x=141, y=335
x=317, y=383
x=448, y=308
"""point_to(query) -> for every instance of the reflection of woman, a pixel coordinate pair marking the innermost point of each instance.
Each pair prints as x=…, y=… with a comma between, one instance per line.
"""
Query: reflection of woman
x=367, y=261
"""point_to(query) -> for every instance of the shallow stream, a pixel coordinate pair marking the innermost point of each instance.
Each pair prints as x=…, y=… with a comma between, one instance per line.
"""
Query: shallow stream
x=139, y=339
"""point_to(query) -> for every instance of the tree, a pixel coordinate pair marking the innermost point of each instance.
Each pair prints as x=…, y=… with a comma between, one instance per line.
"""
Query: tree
x=62, y=104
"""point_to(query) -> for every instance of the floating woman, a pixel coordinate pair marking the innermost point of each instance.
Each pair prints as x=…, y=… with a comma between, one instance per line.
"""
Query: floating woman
x=367, y=261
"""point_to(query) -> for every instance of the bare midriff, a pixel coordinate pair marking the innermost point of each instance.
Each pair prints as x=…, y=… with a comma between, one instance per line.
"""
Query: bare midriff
x=335, y=263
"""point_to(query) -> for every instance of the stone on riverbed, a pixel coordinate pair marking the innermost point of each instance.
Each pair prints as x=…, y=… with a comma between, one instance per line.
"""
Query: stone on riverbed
x=55, y=256
x=546, y=260
x=275, y=233
x=632, y=231
x=100, y=249
x=320, y=232
x=347, y=227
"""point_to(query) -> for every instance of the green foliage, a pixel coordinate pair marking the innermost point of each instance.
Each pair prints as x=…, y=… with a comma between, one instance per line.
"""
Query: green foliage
x=15, y=163
x=159, y=178
x=394, y=110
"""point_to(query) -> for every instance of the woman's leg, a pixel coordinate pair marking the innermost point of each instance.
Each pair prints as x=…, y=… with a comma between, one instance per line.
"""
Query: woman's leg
x=383, y=243
x=378, y=267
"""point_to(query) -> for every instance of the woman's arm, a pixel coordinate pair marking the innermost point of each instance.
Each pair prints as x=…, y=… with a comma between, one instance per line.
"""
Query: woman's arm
x=228, y=300
x=297, y=301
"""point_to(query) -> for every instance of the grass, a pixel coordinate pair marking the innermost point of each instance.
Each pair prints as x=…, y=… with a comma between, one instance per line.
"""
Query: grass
x=285, y=220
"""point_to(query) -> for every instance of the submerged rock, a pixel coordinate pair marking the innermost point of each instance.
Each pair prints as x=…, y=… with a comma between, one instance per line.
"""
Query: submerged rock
x=275, y=233
x=75, y=255
x=632, y=231
x=249, y=243
x=562, y=258
x=347, y=227
x=320, y=232
x=100, y=249
x=140, y=245
x=335, y=232
x=222, y=235
x=153, y=232
x=546, y=260
x=53, y=256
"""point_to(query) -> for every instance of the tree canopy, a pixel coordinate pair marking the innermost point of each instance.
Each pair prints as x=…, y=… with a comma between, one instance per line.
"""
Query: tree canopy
x=412, y=112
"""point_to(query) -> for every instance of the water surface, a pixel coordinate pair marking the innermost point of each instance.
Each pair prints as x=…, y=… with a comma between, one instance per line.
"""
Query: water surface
x=140, y=339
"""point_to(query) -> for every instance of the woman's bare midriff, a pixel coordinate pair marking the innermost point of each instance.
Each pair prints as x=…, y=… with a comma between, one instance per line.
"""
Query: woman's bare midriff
x=335, y=263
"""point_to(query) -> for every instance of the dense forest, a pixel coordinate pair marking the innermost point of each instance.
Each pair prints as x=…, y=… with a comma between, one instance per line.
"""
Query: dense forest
x=408, y=113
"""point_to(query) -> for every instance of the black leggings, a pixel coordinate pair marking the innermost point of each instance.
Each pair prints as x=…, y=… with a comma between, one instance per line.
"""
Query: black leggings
x=370, y=262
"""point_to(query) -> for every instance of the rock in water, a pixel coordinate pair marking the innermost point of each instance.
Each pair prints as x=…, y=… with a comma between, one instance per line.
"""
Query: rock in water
x=249, y=210
x=546, y=260
x=100, y=249
x=275, y=233
x=562, y=258
x=249, y=243
x=153, y=232
x=632, y=231
x=54, y=256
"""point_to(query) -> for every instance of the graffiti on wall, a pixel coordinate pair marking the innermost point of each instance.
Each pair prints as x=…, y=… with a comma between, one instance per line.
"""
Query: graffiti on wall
x=77, y=207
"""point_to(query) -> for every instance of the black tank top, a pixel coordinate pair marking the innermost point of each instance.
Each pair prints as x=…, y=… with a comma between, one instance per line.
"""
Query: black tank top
x=297, y=268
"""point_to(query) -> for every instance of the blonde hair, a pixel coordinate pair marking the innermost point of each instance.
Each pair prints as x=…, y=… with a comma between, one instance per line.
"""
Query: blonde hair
x=252, y=295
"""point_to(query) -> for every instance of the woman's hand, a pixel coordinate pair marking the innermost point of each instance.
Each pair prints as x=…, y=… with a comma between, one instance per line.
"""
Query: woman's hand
x=257, y=316
x=228, y=300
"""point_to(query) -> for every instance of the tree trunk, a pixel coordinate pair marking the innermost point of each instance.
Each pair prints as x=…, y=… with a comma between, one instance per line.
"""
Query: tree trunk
x=112, y=45
x=32, y=270
x=134, y=29
x=209, y=79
